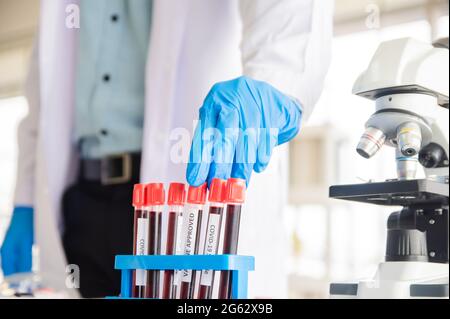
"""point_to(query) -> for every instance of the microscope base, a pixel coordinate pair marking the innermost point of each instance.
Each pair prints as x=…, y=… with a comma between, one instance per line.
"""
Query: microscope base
x=398, y=280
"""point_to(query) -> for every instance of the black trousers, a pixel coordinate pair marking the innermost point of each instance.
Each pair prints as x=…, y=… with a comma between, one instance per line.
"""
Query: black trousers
x=98, y=226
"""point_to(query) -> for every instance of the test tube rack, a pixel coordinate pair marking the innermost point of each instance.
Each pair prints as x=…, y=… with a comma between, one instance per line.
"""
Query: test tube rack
x=238, y=265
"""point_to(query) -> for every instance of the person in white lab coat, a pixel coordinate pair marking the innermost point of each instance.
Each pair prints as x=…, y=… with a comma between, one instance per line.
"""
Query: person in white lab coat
x=85, y=120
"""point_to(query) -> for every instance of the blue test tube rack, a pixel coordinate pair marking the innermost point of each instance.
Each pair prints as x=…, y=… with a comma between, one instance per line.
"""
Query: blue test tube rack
x=238, y=265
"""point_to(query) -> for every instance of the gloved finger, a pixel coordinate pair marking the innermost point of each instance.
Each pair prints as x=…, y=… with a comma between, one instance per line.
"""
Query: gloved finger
x=200, y=155
x=225, y=143
x=293, y=116
x=268, y=139
x=9, y=258
x=245, y=155
x=24, y=257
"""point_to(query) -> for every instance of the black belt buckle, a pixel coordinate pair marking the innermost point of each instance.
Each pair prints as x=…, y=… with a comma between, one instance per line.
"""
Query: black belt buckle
x=115, y=169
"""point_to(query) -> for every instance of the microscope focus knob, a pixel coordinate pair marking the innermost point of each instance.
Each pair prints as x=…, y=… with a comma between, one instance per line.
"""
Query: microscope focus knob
x=432, y=156
x=406, y=245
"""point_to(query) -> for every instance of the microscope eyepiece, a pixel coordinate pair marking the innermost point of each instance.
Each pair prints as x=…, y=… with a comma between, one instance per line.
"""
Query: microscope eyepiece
x=371, y=142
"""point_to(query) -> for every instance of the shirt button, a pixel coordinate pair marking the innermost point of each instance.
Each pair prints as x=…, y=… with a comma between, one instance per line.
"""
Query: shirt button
x=115, y=18
x=106, y=78
x=103, y=132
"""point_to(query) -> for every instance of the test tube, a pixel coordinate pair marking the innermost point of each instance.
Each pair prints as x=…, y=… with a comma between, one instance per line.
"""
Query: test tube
x=154, y=200
x=234, y=197
x=175, y=200
x=192, y=217
x=216, y=200
x=140, y=239
x=178, y=251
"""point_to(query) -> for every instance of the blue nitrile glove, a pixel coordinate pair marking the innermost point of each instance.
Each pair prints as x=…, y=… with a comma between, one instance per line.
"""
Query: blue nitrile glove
x=16, y=249
x=241, y=121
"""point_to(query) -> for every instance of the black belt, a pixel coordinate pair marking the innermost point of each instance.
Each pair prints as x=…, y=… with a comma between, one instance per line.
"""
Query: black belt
x=112, y=169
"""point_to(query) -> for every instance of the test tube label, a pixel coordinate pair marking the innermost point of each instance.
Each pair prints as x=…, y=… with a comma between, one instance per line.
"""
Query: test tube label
x=141, y=249
x=179, y=248
x=189, y=235
x=212, y=236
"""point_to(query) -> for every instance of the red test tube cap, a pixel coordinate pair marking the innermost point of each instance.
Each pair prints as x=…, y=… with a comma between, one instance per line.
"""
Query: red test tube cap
x=217, y=190
x=177, y=194
x=197, y=195
x=235, y=191
x=154, y=194
x=139, y=195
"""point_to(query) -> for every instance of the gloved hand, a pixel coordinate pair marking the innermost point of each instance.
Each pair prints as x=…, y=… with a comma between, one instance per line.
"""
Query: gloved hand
x=241, y=121
x=16, y=249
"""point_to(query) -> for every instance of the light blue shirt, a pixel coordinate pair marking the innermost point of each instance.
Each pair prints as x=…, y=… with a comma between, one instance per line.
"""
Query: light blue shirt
x=110, y=84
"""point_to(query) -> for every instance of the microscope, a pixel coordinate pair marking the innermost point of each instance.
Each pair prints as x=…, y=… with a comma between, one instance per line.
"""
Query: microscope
x=409, y=82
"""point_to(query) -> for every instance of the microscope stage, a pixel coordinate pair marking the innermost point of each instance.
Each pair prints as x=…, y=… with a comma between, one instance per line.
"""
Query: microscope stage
x=394, y=193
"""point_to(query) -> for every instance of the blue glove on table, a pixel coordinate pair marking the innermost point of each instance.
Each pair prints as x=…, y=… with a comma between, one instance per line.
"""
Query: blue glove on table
x=241, y=121
x=16, y=249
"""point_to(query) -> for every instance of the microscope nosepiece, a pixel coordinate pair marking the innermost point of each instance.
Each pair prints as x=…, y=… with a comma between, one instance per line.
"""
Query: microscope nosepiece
x=409, y=139
x=371, y=142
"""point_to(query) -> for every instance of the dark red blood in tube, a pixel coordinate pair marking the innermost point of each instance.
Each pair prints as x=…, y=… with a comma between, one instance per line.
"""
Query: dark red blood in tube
x=158, y=252
x=187, y=288
x=138, y=291
x=154, y=199
x=152, y=250
x=235, y=196
x=205, y=291
x=139, y=245
x=196, y=273
x=171, y=235
x=216, y=198
x=230, y=245
x=192, y=217
x=175, y=200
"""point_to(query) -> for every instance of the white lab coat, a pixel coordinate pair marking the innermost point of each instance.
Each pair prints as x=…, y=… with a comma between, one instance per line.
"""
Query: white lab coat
x=193, y=44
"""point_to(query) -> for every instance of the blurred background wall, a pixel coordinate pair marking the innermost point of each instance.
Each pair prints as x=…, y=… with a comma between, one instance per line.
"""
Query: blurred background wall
x=333, y=240
x=330, y=240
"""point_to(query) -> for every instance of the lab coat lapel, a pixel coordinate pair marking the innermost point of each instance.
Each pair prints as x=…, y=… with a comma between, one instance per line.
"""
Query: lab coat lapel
x=55, y=157
x=166, y=41
x=57, y=80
